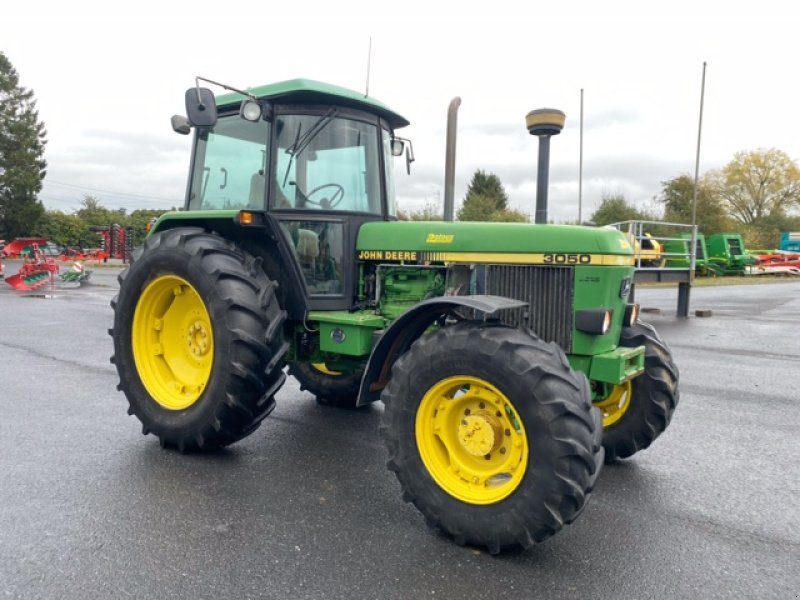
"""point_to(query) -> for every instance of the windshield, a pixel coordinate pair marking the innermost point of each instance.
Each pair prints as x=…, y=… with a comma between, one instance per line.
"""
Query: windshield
x=327, y=162
x=230, y=161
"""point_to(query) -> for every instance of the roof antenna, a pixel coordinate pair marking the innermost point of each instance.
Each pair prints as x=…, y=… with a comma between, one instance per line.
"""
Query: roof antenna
x=369, y=59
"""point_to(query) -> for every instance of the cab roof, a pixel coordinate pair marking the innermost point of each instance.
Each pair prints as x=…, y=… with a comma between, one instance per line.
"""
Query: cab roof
x=310, y=91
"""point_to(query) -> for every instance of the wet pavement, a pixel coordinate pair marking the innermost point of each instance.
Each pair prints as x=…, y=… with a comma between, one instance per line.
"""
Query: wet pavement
x=305, y=508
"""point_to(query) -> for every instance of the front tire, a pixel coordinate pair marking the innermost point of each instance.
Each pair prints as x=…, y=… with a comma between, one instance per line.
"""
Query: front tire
x=491, y=435
x=198, y=340
x=647, y=403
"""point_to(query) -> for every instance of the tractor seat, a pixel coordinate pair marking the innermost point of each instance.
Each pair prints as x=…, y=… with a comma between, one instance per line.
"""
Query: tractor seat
x=257, y=185
x=307, y=245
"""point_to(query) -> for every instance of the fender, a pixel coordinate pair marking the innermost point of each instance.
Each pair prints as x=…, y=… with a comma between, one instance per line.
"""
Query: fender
x=409, y=326
x=262, y=239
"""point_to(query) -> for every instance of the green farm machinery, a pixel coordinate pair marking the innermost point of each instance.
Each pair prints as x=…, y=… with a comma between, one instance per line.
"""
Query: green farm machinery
x=507, y=356
x=727, y=254
x=678, y=257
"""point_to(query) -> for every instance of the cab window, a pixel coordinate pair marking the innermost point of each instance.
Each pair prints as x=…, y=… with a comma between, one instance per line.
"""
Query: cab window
x=319, y=249
x=326, y=162
x=230, y=161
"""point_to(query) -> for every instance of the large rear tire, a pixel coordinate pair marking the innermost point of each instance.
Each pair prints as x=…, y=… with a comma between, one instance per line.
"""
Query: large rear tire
x=645, y=405
x=331, y=388
x=198, y=339
x=491, y=434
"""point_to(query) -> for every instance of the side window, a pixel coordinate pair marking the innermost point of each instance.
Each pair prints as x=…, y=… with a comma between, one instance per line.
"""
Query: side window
x=229, y=167
x=319, y=248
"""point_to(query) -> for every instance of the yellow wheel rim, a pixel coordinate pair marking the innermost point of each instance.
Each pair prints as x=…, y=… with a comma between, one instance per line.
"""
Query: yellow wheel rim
x=322, y=368
x=616, y=404
x=173, y=342
x=471, y=440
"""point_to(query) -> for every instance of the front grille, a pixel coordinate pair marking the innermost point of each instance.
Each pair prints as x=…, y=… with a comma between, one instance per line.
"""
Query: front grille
x=549, y=293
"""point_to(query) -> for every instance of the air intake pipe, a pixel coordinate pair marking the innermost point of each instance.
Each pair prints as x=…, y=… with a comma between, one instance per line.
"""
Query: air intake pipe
x=544, y=123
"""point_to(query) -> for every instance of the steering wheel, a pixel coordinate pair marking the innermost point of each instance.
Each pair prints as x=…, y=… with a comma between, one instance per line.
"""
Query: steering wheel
x=326, y=203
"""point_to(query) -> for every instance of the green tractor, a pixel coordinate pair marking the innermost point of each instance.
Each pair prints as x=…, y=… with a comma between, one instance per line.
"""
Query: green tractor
x=507, y=357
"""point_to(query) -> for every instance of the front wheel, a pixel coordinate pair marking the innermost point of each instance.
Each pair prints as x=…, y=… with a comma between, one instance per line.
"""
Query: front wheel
x=635, y=413
x=198, y=340
x=491, y=435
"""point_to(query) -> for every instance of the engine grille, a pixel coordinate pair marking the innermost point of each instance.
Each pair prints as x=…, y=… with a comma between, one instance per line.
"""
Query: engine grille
x=549, y=292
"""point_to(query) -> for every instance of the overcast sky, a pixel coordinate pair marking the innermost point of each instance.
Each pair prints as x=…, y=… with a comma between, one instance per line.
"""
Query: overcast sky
x=107, y=79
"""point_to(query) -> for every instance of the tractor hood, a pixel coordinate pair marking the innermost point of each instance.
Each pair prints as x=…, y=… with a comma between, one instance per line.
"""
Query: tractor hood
x=494, y=242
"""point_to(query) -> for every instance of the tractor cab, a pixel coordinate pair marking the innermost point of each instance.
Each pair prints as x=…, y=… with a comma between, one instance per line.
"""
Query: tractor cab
x=312, y=160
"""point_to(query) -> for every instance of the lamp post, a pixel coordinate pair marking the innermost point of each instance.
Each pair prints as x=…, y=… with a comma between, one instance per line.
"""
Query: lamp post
x=544, y=123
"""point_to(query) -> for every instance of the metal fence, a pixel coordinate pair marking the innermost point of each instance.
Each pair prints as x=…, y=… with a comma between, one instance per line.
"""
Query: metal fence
x=661, y=245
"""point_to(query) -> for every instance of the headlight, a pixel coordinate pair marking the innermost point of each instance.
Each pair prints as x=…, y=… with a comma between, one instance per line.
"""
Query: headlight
x=250, y=111
x=596, y=321
x=631, y=315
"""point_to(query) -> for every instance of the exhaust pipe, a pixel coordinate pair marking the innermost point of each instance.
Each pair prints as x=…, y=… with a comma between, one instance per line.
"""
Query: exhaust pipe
x=450, y=158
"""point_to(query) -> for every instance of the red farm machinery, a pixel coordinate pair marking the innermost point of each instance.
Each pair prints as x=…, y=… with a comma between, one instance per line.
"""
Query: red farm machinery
x=37, y=268
x=116, y=241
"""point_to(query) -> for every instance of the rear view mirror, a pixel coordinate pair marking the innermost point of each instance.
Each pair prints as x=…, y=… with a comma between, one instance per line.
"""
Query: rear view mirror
x=201, y=107
x=180, y=124
x=398, y=146
x=409, y=157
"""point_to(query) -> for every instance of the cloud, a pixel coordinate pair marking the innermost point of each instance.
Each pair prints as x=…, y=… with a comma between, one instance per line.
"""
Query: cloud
x=595, y=121
x=121, y=169
x=142, y=170
x=638, y=178
x=609, y=118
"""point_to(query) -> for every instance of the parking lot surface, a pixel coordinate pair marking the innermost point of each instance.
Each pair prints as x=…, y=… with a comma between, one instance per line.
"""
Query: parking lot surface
x=305, y=508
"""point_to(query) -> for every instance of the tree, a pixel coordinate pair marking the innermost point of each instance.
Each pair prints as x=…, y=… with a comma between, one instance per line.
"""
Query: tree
x=678, y=196
x=64, y=230
x=429, y=212
x=477, y=207
x=614, y=209
x=94, y=214
x=488, y=185
x=487, y=200
x=759, y=184
x=75, y=229
x=139, y=219
x=510, y=215
x=22, y=164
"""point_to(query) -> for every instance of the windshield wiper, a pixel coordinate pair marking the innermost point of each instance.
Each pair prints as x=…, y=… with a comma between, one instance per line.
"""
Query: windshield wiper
x=301, y=143
x=290, y=151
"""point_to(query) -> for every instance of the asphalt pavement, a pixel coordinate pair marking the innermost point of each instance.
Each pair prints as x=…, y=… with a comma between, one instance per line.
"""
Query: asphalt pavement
x=305, y=508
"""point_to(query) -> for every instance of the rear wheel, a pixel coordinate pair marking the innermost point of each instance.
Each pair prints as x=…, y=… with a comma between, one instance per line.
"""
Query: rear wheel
x=491, y=435
x=198, y=340
x=637, y=412
x=332, y=388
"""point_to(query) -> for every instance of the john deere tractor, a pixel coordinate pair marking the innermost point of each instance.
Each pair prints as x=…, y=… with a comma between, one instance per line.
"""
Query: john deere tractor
x=507, y=357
